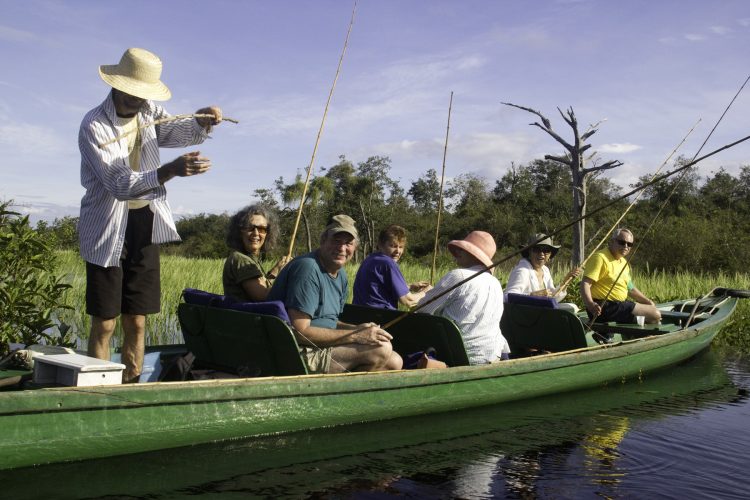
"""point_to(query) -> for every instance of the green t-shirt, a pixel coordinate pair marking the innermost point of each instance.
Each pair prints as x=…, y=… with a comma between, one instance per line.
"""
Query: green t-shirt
x=239, y=267
x=304, y=285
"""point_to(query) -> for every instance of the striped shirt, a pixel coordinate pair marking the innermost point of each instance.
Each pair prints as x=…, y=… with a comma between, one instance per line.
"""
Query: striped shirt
x=110, y=182
x=476, y=307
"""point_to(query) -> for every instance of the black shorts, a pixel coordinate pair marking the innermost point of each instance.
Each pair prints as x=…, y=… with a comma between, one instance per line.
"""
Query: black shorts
x=613, y=310
x=134, y=287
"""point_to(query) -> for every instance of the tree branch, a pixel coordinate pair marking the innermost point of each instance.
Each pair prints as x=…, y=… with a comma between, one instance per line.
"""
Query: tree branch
x=604, y=166
x=562, y=159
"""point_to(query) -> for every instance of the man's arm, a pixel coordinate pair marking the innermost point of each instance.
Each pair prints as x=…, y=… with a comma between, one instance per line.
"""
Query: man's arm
x=366, y=333
x=592, y=307
x=639, y=297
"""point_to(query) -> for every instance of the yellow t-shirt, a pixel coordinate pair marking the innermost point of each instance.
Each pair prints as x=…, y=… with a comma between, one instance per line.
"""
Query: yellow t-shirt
x=602, y=269
x=130, y=126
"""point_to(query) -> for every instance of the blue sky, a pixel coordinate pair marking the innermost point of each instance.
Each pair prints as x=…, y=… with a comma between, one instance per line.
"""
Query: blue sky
x=650, y=68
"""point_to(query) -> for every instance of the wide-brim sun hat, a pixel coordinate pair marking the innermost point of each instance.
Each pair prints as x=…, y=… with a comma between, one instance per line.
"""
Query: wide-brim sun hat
x=138, y=73
x=540, y=240
x=480, y=244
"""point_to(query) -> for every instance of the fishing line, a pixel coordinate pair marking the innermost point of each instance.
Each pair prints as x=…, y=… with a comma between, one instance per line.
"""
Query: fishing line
x=669, y=196
x=568, y=225
x=569, y=278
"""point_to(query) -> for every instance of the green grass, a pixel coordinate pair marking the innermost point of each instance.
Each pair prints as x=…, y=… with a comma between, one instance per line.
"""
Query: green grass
x=178, y=273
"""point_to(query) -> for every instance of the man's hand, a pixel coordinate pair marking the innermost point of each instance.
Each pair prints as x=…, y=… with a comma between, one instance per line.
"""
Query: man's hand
x=594, y=309
x=420, y=286
x=206, y=122
x=184, y=166
x=370, y=334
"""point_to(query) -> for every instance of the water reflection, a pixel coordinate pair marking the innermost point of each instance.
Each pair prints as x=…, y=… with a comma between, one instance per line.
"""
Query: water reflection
x=653, y=438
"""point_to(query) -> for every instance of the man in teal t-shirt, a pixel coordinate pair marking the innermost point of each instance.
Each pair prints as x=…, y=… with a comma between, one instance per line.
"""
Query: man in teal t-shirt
x=314, y=288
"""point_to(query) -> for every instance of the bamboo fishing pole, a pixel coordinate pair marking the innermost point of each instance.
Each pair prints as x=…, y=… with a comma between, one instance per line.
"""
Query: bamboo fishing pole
x=317, y=139
x=440, y=198
x=669, y=196
x=164, y=120
x=566, y=226
x=569, y=277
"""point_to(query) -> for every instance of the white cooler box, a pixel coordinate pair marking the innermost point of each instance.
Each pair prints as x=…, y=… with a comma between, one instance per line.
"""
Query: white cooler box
x=76, y=370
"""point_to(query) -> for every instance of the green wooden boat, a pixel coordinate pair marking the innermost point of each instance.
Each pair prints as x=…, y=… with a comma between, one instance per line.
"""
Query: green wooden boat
x=57, y=424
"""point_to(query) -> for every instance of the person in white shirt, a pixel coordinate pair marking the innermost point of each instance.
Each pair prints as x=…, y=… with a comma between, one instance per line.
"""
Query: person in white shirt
x=477, y=305
x=124, y=212
x=531, y=276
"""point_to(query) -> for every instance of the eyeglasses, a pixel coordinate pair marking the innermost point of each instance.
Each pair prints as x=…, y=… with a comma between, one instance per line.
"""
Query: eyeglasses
x=625, y=243
x=542, y=249
x=250, y=228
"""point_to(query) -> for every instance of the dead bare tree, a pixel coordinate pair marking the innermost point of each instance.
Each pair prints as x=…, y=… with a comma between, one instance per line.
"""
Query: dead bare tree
x=574, y=158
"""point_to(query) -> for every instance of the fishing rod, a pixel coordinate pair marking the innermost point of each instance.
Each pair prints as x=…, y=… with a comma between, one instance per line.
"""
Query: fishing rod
x=164, y=120
x=669, y=196
x=568, y=225
x=320, y=132
x=570, y=277
x=440, y=198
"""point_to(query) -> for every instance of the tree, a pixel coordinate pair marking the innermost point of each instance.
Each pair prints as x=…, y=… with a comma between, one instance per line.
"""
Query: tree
x=30, y=290
x=425, y=192
x=575, y=160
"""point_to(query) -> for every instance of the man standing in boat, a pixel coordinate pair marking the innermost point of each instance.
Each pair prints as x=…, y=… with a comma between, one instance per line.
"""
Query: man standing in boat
x=124, y=212
x=607, y=284
x=314, y=288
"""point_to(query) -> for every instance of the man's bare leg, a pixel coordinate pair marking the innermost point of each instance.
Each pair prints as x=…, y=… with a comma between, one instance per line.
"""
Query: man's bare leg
x=100, y=336
x=133, y=346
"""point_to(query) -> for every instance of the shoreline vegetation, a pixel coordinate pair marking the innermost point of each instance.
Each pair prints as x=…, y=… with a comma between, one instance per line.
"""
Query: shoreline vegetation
x=179, y=273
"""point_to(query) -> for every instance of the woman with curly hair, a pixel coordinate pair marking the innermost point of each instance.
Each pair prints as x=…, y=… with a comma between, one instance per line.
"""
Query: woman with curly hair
x=253, y=231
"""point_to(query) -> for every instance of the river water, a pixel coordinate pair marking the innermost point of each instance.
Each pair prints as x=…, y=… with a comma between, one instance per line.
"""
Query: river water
x=681, y=433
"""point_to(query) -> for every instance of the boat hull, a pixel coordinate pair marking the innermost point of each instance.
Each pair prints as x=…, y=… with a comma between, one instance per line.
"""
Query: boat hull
x=59, y=424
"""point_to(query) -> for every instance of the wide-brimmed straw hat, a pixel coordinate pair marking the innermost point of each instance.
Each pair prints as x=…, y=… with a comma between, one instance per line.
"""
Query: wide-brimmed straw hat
x=479, y=244
x=138, y=73
x=540, y=240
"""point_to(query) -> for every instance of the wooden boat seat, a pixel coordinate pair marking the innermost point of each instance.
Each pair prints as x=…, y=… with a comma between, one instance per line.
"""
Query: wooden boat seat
x=416, y=332
x=240, y=342
x=532, y=326
x=630, y=331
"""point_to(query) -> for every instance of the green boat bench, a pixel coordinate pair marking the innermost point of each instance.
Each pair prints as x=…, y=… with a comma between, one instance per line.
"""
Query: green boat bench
x=534, y=325
x=239, y=340
x=416, y=332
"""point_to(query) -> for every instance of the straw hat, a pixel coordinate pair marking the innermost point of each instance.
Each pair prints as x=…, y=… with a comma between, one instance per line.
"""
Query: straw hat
x=479, y=244
x=137, y=74
x=540, y=240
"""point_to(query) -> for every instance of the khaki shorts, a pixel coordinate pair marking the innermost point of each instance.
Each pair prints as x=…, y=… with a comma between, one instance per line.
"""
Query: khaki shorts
x=317, y=360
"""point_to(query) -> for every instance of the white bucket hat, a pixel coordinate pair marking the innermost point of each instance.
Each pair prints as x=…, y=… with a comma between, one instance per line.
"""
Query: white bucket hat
x=137, y=74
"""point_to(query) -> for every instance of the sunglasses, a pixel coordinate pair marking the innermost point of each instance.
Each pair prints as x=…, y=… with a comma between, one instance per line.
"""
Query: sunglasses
x=250, y=228
x=625, y=243
x=542, y=249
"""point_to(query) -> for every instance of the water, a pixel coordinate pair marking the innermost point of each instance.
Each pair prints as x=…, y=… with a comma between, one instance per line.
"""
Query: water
x=684, y=433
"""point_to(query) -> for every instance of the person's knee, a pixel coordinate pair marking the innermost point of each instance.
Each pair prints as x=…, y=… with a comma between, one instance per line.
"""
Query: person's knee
x=102, y=327
x=378, y=358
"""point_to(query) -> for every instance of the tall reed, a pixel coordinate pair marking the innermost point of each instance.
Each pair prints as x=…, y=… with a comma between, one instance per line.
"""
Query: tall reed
x=178, y=273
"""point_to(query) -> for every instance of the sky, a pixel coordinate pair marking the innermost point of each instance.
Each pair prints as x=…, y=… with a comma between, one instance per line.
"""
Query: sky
x=649, y=69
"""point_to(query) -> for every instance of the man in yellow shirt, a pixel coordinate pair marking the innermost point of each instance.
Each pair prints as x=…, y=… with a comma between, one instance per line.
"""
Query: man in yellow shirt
x=604, y=272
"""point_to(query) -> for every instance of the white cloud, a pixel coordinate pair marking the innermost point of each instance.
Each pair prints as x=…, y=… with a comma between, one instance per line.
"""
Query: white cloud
x=15, y=35
x=745, y=21
x=693, y=37
x=27, y=139
x=720, y=30
x=618, y=148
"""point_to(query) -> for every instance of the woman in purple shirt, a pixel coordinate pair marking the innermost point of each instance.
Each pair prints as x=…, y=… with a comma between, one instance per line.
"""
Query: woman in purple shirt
x=379, y=282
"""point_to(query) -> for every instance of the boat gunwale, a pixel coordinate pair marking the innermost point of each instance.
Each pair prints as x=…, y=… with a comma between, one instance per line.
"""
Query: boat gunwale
x=295, y=386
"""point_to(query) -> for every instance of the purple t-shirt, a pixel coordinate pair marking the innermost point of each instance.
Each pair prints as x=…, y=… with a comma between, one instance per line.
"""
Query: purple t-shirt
x=379, y=282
